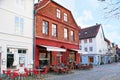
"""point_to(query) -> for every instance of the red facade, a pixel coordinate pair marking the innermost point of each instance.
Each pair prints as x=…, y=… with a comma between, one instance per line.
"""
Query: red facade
x=46, y=14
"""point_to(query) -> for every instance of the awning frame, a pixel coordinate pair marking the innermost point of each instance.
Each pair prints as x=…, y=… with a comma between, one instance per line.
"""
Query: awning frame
x=52, y=48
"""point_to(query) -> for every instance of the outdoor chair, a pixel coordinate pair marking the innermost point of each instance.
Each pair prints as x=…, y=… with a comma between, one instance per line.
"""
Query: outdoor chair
x=36, y=73
x=26, y=74
x=51, y=68
x=63, y=70
x=7, y=72
x=67, y=69
x=44, y=72
x=91, y=65
x=13, y=75
x=56, y=70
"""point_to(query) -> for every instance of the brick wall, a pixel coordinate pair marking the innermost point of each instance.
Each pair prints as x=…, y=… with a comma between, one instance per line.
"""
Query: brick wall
x=48, y=13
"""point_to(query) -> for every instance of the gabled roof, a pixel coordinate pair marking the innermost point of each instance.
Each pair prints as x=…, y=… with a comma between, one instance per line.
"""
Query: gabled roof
x=108, y=41
x=44, y=3
x=89, y=32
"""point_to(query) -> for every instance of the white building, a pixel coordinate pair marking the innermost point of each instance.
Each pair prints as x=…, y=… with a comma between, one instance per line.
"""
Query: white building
x=16, y=33
x=93, y=44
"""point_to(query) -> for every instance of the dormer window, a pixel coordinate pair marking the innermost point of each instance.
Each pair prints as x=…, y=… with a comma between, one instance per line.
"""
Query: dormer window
x=65, y=17
x=58, y=13
x=90, y=40
x=85, y=40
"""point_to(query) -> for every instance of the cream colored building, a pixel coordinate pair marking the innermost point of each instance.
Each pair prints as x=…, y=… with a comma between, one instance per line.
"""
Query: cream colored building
x=16, y=33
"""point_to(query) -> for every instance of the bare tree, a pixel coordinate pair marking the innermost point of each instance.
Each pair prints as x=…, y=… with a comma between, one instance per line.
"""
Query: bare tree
x=111, y=8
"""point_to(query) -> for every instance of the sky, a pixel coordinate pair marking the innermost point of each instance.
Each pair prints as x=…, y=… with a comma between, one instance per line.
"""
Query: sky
x=89, y=12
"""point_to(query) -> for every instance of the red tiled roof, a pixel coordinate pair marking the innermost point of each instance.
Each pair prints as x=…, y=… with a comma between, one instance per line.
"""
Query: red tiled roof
x=89, y=32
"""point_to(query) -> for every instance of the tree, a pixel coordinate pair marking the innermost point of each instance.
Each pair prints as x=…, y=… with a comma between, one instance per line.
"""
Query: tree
x=111, y=8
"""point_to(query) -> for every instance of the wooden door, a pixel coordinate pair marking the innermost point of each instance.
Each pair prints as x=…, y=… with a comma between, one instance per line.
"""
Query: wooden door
x=91, y=59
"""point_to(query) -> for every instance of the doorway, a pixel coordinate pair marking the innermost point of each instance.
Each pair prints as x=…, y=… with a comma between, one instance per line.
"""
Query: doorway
x=91, y=59
x=10, y=59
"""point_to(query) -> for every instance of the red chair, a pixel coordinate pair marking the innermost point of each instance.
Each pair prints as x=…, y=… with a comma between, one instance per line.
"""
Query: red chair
x=36, y=72
x=7, y=72
x=13, y=75
x=26, y=74
x=44, y=72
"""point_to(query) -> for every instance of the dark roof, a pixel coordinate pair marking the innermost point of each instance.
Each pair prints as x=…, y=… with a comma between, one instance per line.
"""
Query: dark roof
x=89, y=32
x=107, y=40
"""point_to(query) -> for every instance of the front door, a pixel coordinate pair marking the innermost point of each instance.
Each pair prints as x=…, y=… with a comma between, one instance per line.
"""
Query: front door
x=59, y=56
x=91, y=59
x=10, y=59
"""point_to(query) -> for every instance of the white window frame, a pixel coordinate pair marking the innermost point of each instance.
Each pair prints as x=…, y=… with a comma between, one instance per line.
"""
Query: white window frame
x=86, y=49
x=90, y=40
x=72, y=35
x=65, y=17
x=65, y=33
x=91, y=49
x=58, y=13
x=85, y=40
x=54, y=30
x=45, y=27
x=19, y=25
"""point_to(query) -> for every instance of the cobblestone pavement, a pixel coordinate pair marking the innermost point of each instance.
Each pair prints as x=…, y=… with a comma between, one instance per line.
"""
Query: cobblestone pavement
x=102, y=72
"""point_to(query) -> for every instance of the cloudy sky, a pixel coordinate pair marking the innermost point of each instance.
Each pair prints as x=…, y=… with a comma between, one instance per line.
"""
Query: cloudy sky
x=90, y=12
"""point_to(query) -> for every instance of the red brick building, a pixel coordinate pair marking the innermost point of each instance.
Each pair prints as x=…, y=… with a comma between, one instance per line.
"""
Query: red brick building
x=56, y=34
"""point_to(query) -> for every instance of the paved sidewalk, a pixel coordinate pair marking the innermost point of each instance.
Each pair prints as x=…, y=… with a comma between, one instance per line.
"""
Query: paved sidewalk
x=102, y=72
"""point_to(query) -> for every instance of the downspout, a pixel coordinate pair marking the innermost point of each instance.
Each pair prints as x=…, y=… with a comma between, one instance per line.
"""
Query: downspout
x=33, y=34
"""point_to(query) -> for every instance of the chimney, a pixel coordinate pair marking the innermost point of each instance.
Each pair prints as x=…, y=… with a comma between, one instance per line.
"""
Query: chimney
x=96, y=23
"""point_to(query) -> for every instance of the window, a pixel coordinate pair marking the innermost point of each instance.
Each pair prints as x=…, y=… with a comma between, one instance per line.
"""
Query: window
x=72, y=35
x=90, y=40
x=85, y=40
x=44, y=58
x=65, y=17
x=54, y=30
x=86, y=49
x=19, y=25
x=65, y=33
x=45, y=27
x=91, y=48
x=58, y=14
x=22, y=51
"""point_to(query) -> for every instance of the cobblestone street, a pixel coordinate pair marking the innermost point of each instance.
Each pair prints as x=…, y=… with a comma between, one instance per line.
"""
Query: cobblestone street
x=102, y=72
